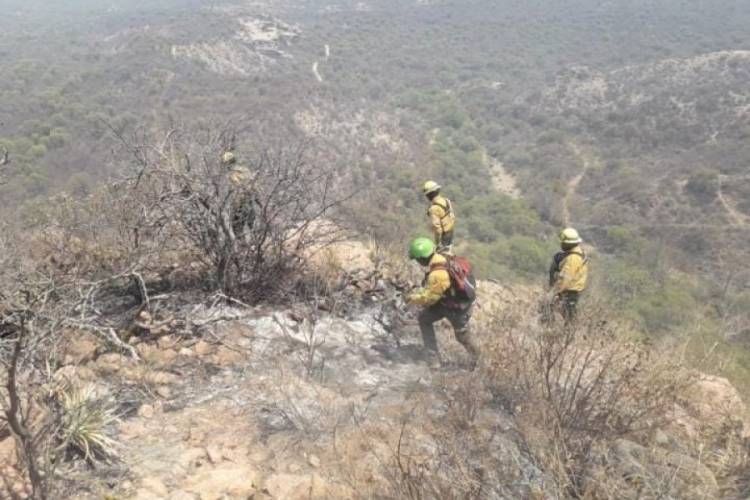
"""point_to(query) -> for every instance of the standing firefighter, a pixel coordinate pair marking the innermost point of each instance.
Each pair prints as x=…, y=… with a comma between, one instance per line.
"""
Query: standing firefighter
x=442, y=217
x=243, y=209
x=448, y=292
x=568, y=273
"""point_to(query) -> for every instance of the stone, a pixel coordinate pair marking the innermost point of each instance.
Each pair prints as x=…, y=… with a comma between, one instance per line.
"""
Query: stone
x=191, y=458
x=661, y=438
x=214, y=454
x=224, y=482
x=111, y=362
x=72, y=373
x=79, y=348
x=8, y=451
x=314, y=461
x=155, y=485
x=160, y=378
x=304, y=486
x=167, y=342
x=182, y=495
x=146, y=411
x=164, y=392
x=144, y=494
x=203, y=348
x=226, y=357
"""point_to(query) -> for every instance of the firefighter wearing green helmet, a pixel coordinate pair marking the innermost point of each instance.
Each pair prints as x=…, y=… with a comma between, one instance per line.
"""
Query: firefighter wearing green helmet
x=440, y=299
x=568, y=273
x=441, y=214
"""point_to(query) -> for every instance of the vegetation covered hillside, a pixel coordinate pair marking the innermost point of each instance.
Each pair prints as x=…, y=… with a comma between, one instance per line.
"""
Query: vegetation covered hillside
x=628, y=119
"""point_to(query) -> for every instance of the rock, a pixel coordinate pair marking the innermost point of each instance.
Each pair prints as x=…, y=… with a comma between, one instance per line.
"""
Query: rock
x=160, y=378
x=685, y=476
x=714, y=400
x=146, y=411
x=144, y=494
x=155, y=485
x=72, y=373
x=182, y=495
x=294, y=468
x=164, y=392
x=167, y=342
x=226, y=357
x=214, y=454
x=203, y=348
x=284, y=486
x=155, y=354
x=112, y=362
x=79, y=347
x=8, y=452
x=186, y=352
x=314, y=461
x=224, y=482
x=661, y=438
x=191, y=458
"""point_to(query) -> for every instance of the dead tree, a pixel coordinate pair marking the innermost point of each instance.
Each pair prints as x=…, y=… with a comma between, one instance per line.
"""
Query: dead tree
x=251, y=224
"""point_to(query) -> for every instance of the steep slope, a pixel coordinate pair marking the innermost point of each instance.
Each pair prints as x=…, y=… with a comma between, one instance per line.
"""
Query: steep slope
x=297, y=402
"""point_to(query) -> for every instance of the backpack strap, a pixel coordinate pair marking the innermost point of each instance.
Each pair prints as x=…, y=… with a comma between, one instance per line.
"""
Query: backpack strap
x=447, y=208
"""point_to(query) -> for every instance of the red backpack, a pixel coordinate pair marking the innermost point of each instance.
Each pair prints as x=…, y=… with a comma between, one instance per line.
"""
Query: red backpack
x=463, y=284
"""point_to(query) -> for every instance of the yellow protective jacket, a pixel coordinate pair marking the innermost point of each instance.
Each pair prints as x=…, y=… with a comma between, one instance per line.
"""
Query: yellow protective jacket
x=572, y=271
x=442, y=217
x=436, y=284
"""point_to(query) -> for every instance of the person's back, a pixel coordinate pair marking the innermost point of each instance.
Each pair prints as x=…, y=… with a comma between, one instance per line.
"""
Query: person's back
x=439, y=300
x=569, y=272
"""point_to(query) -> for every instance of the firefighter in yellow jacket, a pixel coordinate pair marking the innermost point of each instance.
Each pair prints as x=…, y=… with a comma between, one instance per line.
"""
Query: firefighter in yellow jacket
x=568, y=273
x=435, y=299
x=441, y=214
x=242, y=216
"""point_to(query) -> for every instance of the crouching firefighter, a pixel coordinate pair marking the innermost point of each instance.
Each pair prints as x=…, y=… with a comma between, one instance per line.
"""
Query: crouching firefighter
x=448, y=292
x=568, y=274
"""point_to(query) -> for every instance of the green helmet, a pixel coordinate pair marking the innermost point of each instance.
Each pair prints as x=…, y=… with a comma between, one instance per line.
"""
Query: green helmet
x=569, y=236
x=421, y=248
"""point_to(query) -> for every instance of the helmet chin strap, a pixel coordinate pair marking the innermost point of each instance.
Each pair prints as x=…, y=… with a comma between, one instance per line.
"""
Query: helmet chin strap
x=424, y=261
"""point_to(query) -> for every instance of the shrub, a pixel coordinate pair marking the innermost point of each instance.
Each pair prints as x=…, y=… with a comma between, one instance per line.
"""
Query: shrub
x=253, y=224
x=576, y=389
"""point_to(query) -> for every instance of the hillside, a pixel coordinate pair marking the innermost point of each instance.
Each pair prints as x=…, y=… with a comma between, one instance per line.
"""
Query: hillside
x=229, y=401
x=627, y=119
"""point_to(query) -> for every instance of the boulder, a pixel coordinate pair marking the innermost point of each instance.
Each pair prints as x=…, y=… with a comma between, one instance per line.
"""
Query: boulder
x=232, y=481
x=714, y=401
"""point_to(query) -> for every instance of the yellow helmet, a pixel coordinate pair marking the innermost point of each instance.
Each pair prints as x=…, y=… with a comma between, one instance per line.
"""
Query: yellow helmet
x=228, y=158
x=430, y=187
x=570, y=236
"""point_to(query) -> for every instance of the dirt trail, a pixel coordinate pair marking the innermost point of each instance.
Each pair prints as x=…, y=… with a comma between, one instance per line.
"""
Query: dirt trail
x=502, y=180
x=572, y=186
x=316, y=73
x=316, y=64
x=736, y=217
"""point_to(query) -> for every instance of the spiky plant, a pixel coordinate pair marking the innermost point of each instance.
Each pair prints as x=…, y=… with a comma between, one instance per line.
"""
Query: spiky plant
x=86, y=419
